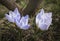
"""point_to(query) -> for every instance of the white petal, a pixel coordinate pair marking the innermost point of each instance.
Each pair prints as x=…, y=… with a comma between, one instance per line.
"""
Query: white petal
x=10, y=19
x=18, y=23
x=49, y=15
x=43, y=27
x=25, y=27
x=42, y=11
x=16, y=11
x=38, y=16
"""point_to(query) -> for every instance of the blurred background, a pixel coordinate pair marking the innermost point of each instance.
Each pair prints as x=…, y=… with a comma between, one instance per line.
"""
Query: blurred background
x=10, y=32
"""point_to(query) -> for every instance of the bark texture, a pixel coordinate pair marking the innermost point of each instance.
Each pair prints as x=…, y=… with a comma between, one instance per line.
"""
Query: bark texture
x=31, y=6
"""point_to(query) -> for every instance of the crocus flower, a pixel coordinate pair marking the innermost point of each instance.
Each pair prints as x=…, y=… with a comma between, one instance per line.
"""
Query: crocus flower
x=12, y=15
x=23, y=22
x=43, y=20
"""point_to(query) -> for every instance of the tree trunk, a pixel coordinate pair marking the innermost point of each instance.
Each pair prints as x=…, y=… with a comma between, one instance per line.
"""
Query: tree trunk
x=10, y=4
x=31, y=6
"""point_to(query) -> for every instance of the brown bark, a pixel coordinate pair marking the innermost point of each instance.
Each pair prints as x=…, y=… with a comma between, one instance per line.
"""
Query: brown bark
x=31, y=6
x=11, y=5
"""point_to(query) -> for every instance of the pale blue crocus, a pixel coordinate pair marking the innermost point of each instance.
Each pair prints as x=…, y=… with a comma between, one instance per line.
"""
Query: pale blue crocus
x=12, y=15
x=23, y=22
x=43, y=20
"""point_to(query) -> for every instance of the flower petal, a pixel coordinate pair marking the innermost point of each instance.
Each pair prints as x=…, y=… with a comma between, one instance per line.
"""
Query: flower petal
x=10, y=19
x=16, y=11
x=25, y=27
x=17, y=14
x=42, y=11
x=43, y=27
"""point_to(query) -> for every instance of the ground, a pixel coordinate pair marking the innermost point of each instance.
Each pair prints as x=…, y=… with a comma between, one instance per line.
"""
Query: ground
x=10, y=32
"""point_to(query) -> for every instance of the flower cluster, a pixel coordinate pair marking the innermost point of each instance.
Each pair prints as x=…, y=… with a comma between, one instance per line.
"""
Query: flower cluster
x=43, y=20
x=15, y=17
